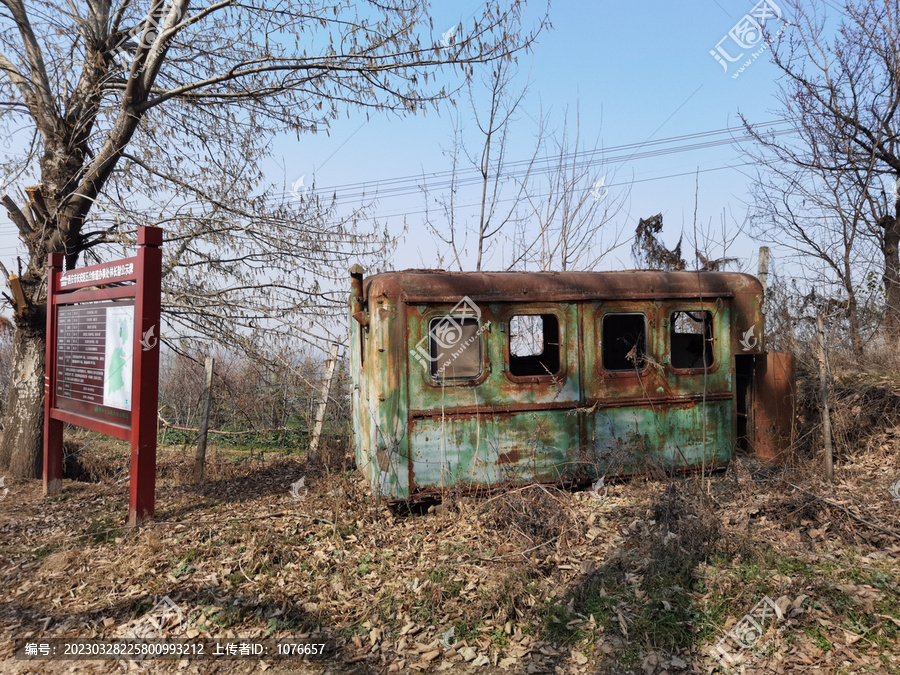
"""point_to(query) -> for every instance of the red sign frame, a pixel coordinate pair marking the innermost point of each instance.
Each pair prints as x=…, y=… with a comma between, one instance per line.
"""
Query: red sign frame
x=138, y=279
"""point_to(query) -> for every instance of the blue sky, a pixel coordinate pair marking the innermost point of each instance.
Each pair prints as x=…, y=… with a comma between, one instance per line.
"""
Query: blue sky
x=635, y=72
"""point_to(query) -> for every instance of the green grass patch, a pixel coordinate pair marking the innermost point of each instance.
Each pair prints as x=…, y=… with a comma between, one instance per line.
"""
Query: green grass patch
x=500, y=639
x=792, y=567
x=102, y=530
x=182, y=569
x=283, y=623
x=45, y=550
x=423, y=612
x=815, y=634
x=467, y=631
x=220, y=617
x=365, y=564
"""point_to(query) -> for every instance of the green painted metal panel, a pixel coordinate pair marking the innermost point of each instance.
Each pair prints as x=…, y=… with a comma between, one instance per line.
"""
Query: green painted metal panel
x=415, y=435
x=632, y=439
x=493, y=449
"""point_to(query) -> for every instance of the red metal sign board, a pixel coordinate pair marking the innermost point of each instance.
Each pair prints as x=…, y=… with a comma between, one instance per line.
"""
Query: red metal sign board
x=102, y=367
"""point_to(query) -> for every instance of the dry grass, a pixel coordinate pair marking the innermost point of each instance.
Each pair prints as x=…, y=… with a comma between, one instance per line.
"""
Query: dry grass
x=536, y=579
x=533, y=520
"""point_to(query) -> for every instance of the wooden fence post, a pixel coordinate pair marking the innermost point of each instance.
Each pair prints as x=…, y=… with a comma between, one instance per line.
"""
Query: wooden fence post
x=200, y=458
x=823, y=394
x=323, y=403
x=762, y=271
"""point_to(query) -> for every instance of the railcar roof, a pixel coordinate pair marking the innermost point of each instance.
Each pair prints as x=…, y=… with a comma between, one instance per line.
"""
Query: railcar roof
x=421, y=286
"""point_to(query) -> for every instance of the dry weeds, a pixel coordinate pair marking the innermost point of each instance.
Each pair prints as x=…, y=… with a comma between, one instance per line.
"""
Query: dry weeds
x=642, y=580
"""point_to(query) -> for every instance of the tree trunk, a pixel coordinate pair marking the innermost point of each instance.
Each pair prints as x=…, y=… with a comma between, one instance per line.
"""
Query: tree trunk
x=891, y=248
x=21, y=448
x=853, y=319
x=823, y=395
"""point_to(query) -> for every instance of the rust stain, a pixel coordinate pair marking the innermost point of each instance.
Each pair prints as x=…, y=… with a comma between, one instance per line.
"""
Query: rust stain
x=581, y=401
x=511, y=457
x=774, y=405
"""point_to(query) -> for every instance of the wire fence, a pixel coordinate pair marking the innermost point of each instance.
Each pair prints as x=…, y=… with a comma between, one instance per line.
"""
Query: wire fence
x=252, y=404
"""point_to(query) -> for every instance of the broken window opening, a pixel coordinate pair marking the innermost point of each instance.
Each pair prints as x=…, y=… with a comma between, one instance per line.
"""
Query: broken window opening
x=534, y=345
x=624, y=342
x=455, y=347
x=691, y=339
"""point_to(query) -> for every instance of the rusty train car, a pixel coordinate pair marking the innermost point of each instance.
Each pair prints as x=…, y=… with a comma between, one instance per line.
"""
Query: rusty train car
x=469, y=380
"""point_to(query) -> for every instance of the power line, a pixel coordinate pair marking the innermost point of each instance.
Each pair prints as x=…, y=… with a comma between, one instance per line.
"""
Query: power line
x=640, y=180
x=404, y=186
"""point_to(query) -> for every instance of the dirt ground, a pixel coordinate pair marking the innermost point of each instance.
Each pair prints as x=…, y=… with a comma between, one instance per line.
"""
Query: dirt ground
x=644, y=576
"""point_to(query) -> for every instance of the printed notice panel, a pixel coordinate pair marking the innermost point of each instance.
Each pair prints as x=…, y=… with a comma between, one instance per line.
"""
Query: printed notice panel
x=94, y=368
x=118, y=366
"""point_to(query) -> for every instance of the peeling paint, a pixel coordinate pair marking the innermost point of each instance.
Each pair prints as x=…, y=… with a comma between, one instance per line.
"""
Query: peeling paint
x=553, y=402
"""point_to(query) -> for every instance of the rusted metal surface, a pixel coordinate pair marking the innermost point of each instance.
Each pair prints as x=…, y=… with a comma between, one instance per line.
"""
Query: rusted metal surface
x=569, y=408
x=774, y=405
x=356, y=296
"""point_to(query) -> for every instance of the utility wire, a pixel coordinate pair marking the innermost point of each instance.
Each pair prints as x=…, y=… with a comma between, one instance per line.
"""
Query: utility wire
x=404, y=186
x=693, y=172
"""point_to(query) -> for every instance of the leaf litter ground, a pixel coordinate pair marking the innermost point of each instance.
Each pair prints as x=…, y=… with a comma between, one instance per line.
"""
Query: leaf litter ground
x=640, y=576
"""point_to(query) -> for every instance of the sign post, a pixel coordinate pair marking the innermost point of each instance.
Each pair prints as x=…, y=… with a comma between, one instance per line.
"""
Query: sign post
x=102, y=368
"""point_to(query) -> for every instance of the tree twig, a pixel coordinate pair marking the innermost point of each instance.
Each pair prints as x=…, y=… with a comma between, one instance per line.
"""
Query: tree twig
x=859, y=519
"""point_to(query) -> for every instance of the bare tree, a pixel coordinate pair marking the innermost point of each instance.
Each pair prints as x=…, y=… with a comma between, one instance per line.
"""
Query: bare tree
x=572, y=209
x=495, y=129
x=447, y=230
x=823, y=222
x=706, y=242
x=824, y=186
x=648, y=252
x=489, y=170
x=163, y=113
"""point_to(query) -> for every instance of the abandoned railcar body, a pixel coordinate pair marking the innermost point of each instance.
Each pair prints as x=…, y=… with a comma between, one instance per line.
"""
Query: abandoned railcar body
x=461, y=380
